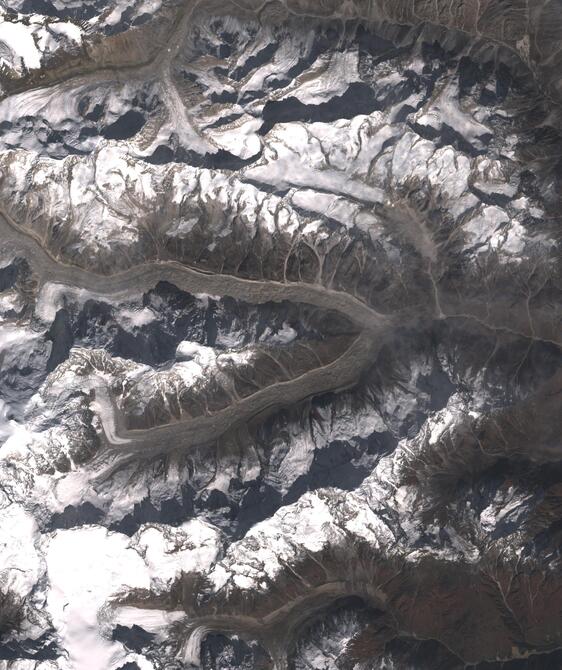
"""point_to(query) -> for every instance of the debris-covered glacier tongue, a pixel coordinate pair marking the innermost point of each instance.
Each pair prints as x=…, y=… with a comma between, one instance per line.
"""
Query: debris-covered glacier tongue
x=280, y=335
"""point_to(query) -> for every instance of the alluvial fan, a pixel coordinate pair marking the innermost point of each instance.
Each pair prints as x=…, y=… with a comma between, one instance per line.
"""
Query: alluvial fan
x=280, y=334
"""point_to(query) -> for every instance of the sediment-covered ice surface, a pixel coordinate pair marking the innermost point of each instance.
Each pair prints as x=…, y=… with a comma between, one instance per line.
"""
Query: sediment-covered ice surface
x=280, y=330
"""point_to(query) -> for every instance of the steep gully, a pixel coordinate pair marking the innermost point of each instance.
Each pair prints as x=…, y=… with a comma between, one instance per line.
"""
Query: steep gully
x=374, y=329
x=158, y=64
x=160, y=55
x=342, y=373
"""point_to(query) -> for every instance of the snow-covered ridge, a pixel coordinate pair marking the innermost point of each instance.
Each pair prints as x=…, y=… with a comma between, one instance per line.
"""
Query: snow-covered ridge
x=25, y=42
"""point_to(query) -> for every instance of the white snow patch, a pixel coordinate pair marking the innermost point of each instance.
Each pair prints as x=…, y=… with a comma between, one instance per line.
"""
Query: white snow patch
x=167, y=551
x=20, y=563
x=18, y=40
x=85, y=567
x=135, y=318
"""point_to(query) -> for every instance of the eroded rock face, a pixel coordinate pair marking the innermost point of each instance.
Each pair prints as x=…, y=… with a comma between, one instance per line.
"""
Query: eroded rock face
x=280, y=380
